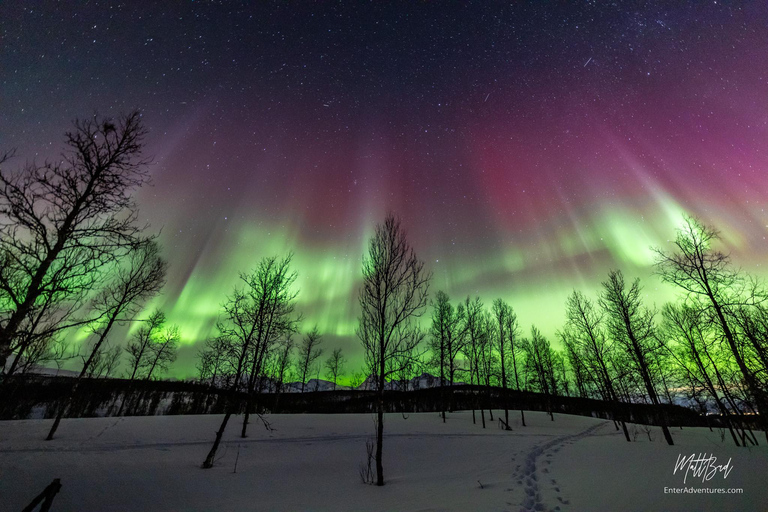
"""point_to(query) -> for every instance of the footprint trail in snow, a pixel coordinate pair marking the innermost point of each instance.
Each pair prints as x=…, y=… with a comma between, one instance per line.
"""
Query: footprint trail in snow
x=529, y=477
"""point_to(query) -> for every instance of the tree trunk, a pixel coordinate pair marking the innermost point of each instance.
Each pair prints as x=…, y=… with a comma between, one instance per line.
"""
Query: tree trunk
x=517, y=382
x=16, y=360
x=212, y=454
x=59, y=415
x=643, y=367
x=504, y=388
x=5, y=351
x=442, y=379
x=380, y=441
x=471, y=384
x=246, y=417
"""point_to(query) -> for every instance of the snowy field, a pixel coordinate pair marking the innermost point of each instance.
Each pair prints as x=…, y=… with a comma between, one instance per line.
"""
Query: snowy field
x=311, y=462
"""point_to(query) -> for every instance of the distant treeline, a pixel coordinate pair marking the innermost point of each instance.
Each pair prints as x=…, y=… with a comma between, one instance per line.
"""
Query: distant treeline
x=38, y=396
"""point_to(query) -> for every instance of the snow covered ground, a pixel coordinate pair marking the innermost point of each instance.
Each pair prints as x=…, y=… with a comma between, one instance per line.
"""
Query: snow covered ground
x=311, y=462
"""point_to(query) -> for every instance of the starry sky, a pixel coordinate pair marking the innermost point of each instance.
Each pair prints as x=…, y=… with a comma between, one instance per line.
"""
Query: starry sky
x=528, y=148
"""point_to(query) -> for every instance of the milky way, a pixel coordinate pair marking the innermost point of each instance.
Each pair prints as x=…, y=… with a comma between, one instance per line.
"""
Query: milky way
x=527, y=148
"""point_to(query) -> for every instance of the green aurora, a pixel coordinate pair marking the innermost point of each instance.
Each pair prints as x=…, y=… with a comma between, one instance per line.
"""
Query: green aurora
x=534, y=277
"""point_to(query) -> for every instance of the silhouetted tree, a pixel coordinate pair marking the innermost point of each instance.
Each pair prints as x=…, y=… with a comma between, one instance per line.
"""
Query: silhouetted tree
x=41, y=337
x=271, y=291
x=513, y=338
x=163, y=351
x=335, y=365
x=39, y=349
x=560, y=373
x=212, y=360
x=357, y=380
x=393, y=296
x=139, y=353
x=235, y=341
x=282, y=362
x=256, y=316
x=65, y=222
x=104, y=362
x=589, y=347
x=540, y=368
x=446, y=340
x=632, y=326
x=474, y=327
x=752, y=323
x=585, y=382
x=134, y=282
x=506, y=325
x=693, y=340
x=309, y=353
x=138, y=348
x=707, y=277
x=488, y=358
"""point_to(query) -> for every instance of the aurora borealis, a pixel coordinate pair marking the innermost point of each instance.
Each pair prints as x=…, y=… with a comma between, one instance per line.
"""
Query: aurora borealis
x=528, y=148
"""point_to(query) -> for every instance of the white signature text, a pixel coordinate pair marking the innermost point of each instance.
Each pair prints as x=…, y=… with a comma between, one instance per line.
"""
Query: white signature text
x=703, y=466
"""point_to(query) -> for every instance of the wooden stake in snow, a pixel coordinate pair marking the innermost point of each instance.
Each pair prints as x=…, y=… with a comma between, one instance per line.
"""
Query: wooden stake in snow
x=237, y=457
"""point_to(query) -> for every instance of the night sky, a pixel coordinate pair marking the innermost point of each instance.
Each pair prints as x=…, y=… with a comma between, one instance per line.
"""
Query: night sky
x=528, y=148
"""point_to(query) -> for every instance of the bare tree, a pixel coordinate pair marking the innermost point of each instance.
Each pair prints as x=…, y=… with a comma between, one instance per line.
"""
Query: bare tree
x=752, y=323
x=273, y=298
x=39, y=349
x=40, y=339
x=394, y=294
x=585, y=382
x=105, y=362
x=707, y=277
x=506, y=325
x=282, y=363
x=489, y=362
x=540, y=368
x=446, y=340
x=280, y=367
x=134, y=282
x=63, y=223
x=212, y=360
x=560, y=373
x=357, y=380
x=162, y=351
x=256, y=317
x=632, y=326
x=139, y=347
x=587, y=345
x=438, y=339
x=513, y=337
x=309, y=353
x=335, y=365
x=139, y=352
x=475, y=345
x=693, y=340
x=237, y=336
